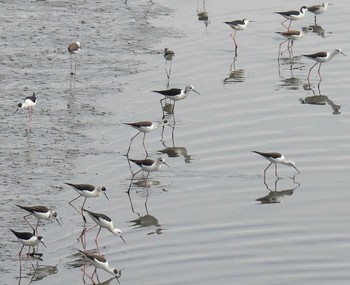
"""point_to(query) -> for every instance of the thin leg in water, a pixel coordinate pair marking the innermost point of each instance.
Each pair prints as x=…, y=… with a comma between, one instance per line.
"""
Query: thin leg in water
x=276, y=171
x=143, y=143
x=127, y=154
x=266, y=169
x=308, y=76
x=319, y=74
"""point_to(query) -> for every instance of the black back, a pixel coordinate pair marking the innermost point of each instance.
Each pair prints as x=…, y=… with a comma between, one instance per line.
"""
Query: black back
x=98, y=215
x=169, y=92
x=22, y=235
x=32, y=98
x=82, y=187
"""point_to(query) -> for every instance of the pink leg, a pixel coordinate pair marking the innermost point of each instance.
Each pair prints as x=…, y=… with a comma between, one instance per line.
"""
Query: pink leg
x=279, y=51
x=170, y=69
x=92, y=276
x=173, y=111
x=267, y=168
x=233, y=36
x=319, y=70
x=96, y=240
x=36, y=228
x=80, y=212
x=25, y=218
x=291, y=48
x=161, y=104
x=143, y=143
x=20, y=260
x=282, y=23
x=131, y=142
x=31, y=260
x=166, y=70
x=276, y=170
x=146, y=185
x=82, y=238
x=84, y=273
x=311, y=69
x=132, y=179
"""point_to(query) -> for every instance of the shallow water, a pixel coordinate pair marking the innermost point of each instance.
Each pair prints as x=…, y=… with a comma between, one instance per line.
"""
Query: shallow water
x=201, y=222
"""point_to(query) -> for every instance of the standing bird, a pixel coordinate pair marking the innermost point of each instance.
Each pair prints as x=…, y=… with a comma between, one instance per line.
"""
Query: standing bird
x=275, y=157
x=292, y=35
x=27, y=239
x=147, y=165
x=99, y=262
x=29, y=104
x=168, y=55
x=104, y=222
x=73, y=48
x=321, y=57
x=318, y=9
x=86, y=190
x=40, y=212
x=144, y=127
x=237, y=25
x=292, y=16
x=175, y=94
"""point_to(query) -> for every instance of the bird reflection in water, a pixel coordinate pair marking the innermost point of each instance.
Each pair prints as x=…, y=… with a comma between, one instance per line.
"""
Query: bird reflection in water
x=290, y=64
x=168, y=56
x=318, y=99
x=40, y=272
x=168, y=108
x=146, y=184
x=318, y=30
x=203, y=14
x=110, y=281
x=22, y=280
x=290, y=36
x=84, y=259
x=236, y=75
x=275, y=196
x=175, y=151
x=30, y=274
x=44, y=271
x=147, y=220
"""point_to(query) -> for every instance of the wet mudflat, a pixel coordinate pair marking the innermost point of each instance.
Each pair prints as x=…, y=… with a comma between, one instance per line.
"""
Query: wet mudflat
x=200, y=222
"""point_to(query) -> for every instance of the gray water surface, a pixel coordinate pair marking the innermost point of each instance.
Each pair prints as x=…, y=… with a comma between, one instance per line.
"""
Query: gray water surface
x=200, y=222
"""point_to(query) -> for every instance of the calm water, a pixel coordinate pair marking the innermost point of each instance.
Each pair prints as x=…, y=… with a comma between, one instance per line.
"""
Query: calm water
x=201, y=223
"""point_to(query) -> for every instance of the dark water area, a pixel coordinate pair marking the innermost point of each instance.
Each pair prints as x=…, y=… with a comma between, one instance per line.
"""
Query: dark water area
x=200, y=221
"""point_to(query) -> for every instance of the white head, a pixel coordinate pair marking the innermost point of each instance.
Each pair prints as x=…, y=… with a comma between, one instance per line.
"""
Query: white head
x=161, y=160
x=41, y=239
x=53, y=214
x=115, y=272
x=118, y=233
x=292, y=164
x=325, y=5
x=101, y=190
x=190, y=88
x=246, y=21
x=339, y=51
x=303, y=9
